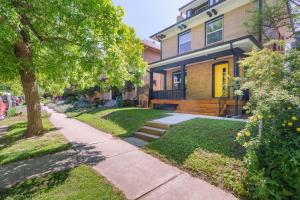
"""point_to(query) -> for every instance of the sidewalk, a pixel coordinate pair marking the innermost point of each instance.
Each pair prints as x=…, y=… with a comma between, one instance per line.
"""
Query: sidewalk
x=137, y=174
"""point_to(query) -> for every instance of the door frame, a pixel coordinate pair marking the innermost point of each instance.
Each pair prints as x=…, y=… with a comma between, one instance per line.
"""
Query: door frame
x=213, y=76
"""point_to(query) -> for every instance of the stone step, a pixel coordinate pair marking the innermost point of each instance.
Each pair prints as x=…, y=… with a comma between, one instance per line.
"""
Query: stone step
x=153, y=131
x=145, y=136
x=158, y=125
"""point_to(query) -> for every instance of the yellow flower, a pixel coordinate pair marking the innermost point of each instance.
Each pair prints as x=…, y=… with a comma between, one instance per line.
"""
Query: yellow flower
x=290, y=124
x=248, y=133
x=283, y=125
x=298, y=130
x=270, y=116
x=290, y=108
x=294, y=118
x=260, y=117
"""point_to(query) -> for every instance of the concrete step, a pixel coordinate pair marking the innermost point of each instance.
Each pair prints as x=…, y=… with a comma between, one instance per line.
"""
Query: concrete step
x=153, y=131
x=145, y=136
x=158, y=125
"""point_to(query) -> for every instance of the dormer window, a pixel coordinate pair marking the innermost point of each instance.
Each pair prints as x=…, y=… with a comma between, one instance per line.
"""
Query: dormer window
x=184, y=42
x=189, y=13
x=213, y=2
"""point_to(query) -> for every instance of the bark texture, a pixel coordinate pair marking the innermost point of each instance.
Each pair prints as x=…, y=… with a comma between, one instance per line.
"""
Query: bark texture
x=30, y=88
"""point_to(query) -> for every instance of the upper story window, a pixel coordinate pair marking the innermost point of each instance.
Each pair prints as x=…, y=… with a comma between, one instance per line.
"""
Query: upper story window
x=213, y=2
x=184, y=42
x=214, y=31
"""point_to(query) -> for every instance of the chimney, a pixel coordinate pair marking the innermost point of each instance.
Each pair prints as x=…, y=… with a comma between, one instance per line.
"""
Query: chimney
x=180, y=17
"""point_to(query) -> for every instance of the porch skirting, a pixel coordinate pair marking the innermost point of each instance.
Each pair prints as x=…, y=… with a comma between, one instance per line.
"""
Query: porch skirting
x=211, y=107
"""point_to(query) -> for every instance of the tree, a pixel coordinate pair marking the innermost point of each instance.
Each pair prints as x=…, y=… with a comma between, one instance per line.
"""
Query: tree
x=272, y=136
x=55, y=43
x=274, y=15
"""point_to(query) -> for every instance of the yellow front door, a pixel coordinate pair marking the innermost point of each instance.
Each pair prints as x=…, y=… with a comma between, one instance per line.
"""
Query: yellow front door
x=221, y=80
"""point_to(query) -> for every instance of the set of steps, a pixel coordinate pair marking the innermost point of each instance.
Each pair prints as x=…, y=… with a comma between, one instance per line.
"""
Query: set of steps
x=152, y=131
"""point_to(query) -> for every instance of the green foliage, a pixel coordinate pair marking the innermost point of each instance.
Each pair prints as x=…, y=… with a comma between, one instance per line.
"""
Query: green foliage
x=274, y=15
x=12, y=111
x=80, y=183
x=122, y=122
x=272, y=138
x=207, y=148
x=72, y=42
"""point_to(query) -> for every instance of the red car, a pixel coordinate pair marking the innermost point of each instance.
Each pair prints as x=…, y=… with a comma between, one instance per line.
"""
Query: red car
x=3, y=109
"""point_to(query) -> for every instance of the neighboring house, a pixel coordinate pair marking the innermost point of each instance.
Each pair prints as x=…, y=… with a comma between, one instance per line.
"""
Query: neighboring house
x=151, y=53
x=200, y=54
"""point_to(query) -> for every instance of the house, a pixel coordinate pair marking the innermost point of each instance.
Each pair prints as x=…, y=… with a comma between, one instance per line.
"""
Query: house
x=130, y=93
x=200, y=56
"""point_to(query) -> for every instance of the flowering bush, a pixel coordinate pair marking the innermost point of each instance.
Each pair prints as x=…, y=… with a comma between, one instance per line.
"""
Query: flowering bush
x=272, y=138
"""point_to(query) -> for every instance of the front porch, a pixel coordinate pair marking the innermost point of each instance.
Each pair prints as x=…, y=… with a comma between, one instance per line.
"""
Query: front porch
x=200, y=82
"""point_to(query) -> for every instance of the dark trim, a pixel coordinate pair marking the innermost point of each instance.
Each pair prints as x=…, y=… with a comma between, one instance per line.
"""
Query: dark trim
x=175, y=72
x=209, y=7
x=178, y=36
x=197, y=59
x=251, y=37
x=205, y=35
x=189, y=3
x=214, y=75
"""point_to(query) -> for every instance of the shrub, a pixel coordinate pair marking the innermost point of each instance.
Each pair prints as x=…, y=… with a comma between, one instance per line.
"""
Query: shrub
x=272, y=138
x=12, y=111
x=63, y=108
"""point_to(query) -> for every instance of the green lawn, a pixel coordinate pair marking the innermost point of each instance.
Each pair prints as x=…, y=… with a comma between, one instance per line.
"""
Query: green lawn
x=80, y=183
x=206, y=148
x=14, y=146
x=122, y=122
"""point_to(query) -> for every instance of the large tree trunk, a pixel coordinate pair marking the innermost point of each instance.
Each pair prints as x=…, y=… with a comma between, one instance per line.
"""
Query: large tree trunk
x=30, y=88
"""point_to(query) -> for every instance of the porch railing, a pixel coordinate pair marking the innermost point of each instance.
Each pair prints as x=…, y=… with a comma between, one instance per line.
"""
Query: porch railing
x=167, y=94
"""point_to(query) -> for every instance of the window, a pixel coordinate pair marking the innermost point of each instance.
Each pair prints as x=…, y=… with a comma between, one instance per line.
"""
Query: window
x=213, y=2
x=177, y=80
x=189, y=13
x=184, y=42
x=214, y=31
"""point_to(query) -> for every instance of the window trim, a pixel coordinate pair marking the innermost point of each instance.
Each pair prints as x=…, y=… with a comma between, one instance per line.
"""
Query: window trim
x=223, y=30
x=179, y=72
x=178, y=39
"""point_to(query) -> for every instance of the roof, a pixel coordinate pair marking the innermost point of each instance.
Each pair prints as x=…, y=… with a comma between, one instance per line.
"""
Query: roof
x=151, y=44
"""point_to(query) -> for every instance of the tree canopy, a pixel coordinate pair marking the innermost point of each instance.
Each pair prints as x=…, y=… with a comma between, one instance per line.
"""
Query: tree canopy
x=55, y=43
x=72, y=42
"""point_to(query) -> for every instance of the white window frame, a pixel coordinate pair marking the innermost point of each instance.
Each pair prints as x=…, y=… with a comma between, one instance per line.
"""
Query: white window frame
x=190, y=41
x=213, y=2
x=206, y=30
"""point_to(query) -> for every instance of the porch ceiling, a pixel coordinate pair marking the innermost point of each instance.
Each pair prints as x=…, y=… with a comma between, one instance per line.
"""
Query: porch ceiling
x=237, y=46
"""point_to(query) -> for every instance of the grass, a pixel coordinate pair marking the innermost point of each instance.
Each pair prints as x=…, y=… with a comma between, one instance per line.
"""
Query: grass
x=122, y=122
x=80, y=183
x=206, y=148
x=14, y=146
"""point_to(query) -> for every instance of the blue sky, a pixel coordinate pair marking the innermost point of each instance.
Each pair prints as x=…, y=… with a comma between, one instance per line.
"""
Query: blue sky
x=150, y=16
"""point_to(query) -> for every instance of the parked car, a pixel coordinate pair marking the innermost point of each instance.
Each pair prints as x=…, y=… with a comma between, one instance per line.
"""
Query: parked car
x=3, y=109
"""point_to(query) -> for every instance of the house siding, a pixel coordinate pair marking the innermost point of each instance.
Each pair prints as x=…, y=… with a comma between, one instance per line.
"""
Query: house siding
x=234, y=27
x=199, y=78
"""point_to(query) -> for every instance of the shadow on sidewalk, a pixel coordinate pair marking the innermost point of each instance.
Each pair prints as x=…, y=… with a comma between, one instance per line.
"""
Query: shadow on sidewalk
x=17, y=172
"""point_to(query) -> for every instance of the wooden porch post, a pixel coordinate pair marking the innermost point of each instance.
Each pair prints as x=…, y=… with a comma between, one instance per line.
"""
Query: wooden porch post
x=183, y=81
x=165, y=81
x=236, y=74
